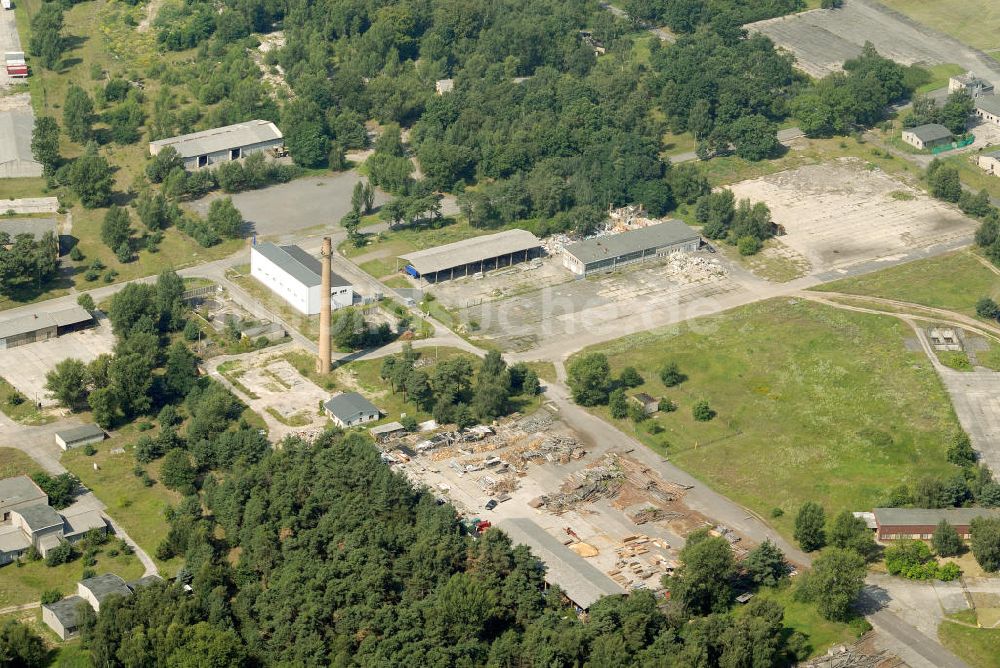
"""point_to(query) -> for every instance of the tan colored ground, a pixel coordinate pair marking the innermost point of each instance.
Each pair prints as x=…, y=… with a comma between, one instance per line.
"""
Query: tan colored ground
x=841, y=214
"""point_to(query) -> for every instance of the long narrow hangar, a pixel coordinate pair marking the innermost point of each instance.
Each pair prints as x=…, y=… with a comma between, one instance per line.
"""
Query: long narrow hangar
x=610, y=252
x=43, y=326
x=232, y=142
x=472, y=256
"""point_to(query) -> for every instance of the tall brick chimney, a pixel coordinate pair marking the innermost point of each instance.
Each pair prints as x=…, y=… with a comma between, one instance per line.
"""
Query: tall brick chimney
x=323, y=361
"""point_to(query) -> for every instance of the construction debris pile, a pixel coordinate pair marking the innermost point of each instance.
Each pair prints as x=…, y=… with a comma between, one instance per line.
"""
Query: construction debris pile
x=860, y=654
x=653, y=514
x=686, y=268
x=588, y=486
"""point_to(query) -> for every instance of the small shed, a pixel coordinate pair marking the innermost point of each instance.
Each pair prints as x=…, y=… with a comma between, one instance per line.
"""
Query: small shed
x=94, y=590
x=63, y=616
x=384, y=432
x=649, y=404
x=927, y=136
x=75, y=437
x=350, y=408
x=990, y=162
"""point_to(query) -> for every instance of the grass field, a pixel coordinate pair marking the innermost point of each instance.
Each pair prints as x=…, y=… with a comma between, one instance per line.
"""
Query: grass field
x=775, y=262
x=954, y=281
x=939, y=77
x=14, y=462
x=973, y=22
x=70, y=654
x=813, y=403
x=804, y=618
x=972, y=176
x=25, y=584
x=139, y=509
x=978, y=647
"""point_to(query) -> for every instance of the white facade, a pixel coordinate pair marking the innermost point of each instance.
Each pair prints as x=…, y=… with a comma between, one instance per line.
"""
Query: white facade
x=990, y=163
x=301, y=295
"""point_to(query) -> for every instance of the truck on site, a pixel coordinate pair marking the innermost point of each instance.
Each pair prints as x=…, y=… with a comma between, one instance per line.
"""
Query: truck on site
x=16, y=65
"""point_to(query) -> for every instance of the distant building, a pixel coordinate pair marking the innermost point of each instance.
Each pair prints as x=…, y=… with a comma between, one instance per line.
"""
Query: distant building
x=75, y=437
x=43, y=326
x=350, y=409
x=927, y=136
x=27, y=520
x=649, y=404
x=971, y=84
x=990, y=162
x=296, y=276
x=232, y=142
x=473, y=256
x=442, y=86
x=919, y=523
x=988, y=108
x=618, y=250
x=384, y=432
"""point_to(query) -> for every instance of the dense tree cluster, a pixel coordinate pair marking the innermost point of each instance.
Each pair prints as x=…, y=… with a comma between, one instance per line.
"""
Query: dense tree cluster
x=684, y=16
x=953, y=114
x=26, y=262
x=342, y=562
x=742, y=224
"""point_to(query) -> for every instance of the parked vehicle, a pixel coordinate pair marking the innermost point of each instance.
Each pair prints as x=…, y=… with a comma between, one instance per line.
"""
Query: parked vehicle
x=491, y=504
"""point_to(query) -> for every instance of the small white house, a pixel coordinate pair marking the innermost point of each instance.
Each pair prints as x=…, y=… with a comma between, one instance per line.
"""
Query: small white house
x=990, y=162
x=63, y=616
x=988, y=108
x=971, y=84
x=927, y=136
x=349, y=409
x=94, y=590
x=76, y=437
x=296, y=276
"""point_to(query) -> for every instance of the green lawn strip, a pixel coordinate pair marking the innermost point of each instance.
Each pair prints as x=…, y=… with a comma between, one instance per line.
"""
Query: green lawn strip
x=139, y=509
x=804, y=618
x=970, y=173
x=25, y=412
x=544, y=370
x=24, y=584
x=978, y=647
x=954, y=281
x=813, y=403
x=939, y=74
x=954, y=359
x=14, y=462
x=676, y=144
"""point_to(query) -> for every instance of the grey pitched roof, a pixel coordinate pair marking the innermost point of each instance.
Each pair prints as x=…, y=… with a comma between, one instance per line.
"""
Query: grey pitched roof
x=583, y=583
x=81, y=523
x=989, y=103
x=13, y=539
x=144, y=581
x=19, y=489
x=40, y=516
x=37, y=321
x=350, y=406
x=472, y=250
x=931, y=132
x=65, y=611
x=654, y=236
x=387, y=428
x=36, y=227
x=80, y=433
x=102, y=586
x=929, y=516
x=220, y=139
x=299, y=264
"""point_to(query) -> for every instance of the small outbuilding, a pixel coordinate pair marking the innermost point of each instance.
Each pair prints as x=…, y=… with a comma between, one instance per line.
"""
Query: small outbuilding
x=232, y=142
x=648, y=403
x=349, y=409
x=75, y=437
x=63, y=616
x=384, y=432
x=618, y=250
x=990, y=162
x=96, y=589
x=927, y=136
x=988, y=108
x=43, y=326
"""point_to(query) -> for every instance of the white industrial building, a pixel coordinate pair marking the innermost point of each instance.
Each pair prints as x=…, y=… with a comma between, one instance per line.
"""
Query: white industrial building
x=295, y=276
x=232, y=142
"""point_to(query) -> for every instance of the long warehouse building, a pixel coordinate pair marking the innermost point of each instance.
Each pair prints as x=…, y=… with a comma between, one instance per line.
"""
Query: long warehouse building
x=608, y=253
x=471, y=256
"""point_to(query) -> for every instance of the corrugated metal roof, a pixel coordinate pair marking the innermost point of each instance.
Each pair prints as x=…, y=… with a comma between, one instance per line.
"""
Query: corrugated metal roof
x=989, y=103
x=349, y=406
x=604, y=248
x=468, y=251
x=37, y=321
x=220, y=139
x=930, y=132
x=930, y=516
x=583, y=583
x=299, y=264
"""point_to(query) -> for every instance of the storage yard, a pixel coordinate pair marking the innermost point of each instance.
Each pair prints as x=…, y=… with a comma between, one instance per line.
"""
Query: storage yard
x=593, y=507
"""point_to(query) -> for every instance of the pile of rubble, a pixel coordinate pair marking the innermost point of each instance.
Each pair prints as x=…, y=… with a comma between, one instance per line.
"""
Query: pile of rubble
x=552, y=449
x=588, y=486
x=653, y=514
x=858, y=655
x=685, y=268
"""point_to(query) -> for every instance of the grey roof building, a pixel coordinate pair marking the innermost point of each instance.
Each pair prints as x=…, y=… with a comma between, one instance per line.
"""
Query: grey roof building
x=39, y=517
x=927, y=135
x=74, y=437
x=36, y=227
x=350, y=408
x=19, y=491
x=144, y=581
x=63, y=616
x=491, y=251
x=231, y=142
x=299, y=264
x=96, y=589
x=919, y=523
x=42, y=326
x=610, y=252
x=988, y=108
